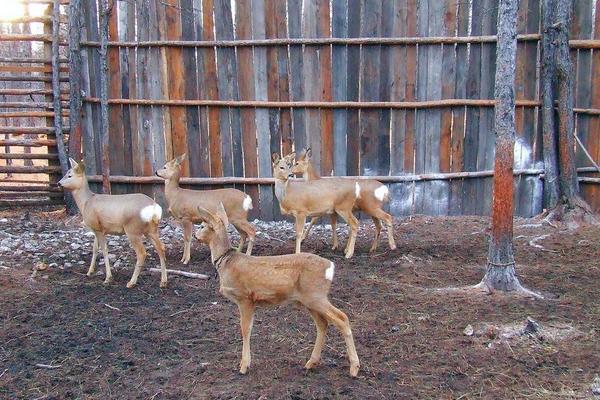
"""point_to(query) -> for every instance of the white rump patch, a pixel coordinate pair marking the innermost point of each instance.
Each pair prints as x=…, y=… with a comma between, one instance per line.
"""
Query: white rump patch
x=357, y=190
x=247, y=204
x=149, y=213
x=381, y=193
x=329, y=272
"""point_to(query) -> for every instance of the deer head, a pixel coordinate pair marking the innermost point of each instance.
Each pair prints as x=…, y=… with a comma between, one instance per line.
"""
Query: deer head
x=171, y=168
x=214, y=227
x=75, y=177
x=302, y=163
x=282, y=167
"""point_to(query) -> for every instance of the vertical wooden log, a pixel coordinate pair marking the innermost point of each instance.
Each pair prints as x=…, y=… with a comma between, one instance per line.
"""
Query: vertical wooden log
x=105, y=10
x=500, y=274
x=324, y=30
x=548, y=70
x=58, y=126
x=340, y=84
x=75, y=75
x=352, y=135
x=294, y=11
x=285, y=116
x=564, y=68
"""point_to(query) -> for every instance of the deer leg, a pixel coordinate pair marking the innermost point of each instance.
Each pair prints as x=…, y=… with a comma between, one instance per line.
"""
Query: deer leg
x=388, y=221
x=102, y=243
x=313, y=222
x=140, y=252
x=160, y=249
x=340, y=320
x=353, y=224
x=187, y=241
x=246, y=230
x=246, y=321
x=321, y=323
x=377, y=234
x=92, y=268
x=335, y=243
x=300, y=220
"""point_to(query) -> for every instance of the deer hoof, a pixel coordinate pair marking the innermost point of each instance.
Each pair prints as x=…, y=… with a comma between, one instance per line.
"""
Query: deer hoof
x=90, y=273
x=393, y=247
x=163, y=284
x=354, y=370
x=349, y=254
x=311, y=364
x=130, y=284
x=243, y=369
x=108, y=280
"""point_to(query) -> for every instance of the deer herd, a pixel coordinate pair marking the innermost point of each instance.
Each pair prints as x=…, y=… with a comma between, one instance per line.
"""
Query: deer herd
x=249, y=281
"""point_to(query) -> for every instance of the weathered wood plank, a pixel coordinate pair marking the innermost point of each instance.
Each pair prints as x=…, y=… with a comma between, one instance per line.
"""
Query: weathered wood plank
x=210, y=82
x=340, y=84
x=272, y=74
x=267, y=202
x=285, y=116
x=115, y=118
x=324, y=31
x=201, y=166
x=246, y=86
x=353, y=136
x=294, y=9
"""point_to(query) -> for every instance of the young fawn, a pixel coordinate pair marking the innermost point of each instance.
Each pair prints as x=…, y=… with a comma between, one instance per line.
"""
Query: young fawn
x=373, y=194
x=309, y=199
x=136, y=215
x=251, y=281
x=184, y=203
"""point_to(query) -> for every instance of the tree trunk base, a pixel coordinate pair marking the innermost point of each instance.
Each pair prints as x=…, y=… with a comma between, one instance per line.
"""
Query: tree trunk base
x=570, y=215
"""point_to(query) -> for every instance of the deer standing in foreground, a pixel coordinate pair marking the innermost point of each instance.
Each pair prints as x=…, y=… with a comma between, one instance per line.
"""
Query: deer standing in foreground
x=251, y=281
x=136, y=215
x=373, y=194
x=183, y=205
x=315, y=198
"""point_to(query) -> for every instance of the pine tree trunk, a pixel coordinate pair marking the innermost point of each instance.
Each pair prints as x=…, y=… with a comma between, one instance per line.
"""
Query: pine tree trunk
x=551, y=183
x=569, y=185
x=500, y=274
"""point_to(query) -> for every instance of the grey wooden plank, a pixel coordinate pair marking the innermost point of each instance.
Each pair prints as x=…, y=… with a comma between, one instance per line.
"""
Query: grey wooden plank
x=340, y=85
x=294, y=10
x=352, y=135
x=267, y=201
x=312, y=85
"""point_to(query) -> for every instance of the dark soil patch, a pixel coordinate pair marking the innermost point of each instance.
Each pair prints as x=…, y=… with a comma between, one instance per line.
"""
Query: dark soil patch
x=184, y=341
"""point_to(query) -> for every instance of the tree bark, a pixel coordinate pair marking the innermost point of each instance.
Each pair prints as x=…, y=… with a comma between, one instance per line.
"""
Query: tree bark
x=104, y=18
x=549, y=140
x=569, y=186
x=500, y=274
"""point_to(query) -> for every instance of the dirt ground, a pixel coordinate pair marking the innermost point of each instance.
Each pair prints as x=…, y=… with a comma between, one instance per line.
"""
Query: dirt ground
x=65, y=335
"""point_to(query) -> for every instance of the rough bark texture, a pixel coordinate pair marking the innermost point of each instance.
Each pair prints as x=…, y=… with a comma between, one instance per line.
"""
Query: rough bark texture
x=75, y=102
x=568, y=174
x=500, y=274
x=551, y=183
x=104, y=19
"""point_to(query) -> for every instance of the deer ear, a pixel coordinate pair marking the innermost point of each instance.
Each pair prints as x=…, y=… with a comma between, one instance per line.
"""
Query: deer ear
x=80, y=167
x=222, y=215
x=290, y=156
x=308, y=153
x=73, y=163
x=181, y=158
x=275, y=157
x=206, y=216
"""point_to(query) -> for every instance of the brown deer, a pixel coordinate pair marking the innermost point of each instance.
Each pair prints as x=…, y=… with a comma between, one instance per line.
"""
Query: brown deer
x=136, y=215
x=373, y=194
x=183, y=205
x=309, y=199
x=251, y=281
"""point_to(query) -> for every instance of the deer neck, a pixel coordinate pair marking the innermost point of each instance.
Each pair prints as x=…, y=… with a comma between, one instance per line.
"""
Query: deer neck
x=311, y=174
x=82, y=194
x=280, y=189
x=220, y=246
x=172, y=186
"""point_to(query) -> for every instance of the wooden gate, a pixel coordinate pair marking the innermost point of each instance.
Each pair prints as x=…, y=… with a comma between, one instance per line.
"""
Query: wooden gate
x=29, y=166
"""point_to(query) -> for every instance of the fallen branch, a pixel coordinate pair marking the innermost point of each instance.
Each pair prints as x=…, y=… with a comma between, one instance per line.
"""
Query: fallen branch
x=533, y=243
x=46, y=366
x=112, y=307
x=182, y=273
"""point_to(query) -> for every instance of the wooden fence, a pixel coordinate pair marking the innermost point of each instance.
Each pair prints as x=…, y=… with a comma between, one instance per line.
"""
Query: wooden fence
x=401, y=90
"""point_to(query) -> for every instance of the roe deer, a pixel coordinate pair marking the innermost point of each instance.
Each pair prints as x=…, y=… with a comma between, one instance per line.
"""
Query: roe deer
x=136, y=215
x=373, y=194
x=308, y=199
x=183, y=205
x=251, y=281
